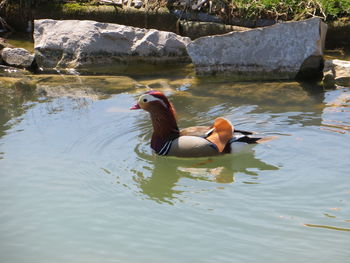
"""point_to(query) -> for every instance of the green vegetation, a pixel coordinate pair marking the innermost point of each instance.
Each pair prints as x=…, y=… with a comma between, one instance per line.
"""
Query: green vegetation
x=289, y=9
x=247, y=9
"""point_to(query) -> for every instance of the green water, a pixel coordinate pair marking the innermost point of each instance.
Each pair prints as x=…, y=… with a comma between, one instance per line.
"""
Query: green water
x=79, y=183
x=23, y=40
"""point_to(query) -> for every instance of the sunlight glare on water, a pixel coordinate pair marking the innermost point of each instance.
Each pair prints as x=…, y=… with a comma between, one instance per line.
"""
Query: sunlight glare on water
x=79, y=183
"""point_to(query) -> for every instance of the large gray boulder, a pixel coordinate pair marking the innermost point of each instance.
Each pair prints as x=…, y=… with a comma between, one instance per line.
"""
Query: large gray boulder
x=83, y=43
x=275, y=52
x=18, y=57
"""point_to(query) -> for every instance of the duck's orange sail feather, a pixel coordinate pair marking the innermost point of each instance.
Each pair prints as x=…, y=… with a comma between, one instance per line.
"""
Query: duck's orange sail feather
x=222, y=133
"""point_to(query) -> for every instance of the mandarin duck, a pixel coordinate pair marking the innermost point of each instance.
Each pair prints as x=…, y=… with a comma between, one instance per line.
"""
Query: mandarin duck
x=197, y=141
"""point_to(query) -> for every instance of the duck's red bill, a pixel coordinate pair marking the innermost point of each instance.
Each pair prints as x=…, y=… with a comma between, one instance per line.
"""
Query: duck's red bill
x=135, y=107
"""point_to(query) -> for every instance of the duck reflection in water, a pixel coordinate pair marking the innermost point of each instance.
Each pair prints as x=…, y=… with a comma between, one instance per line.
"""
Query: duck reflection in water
x=163, y=184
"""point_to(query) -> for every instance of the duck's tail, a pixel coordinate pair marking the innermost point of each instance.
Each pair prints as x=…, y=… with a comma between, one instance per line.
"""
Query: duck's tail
x=252, y=140
x=240, y=143
x=266, y=139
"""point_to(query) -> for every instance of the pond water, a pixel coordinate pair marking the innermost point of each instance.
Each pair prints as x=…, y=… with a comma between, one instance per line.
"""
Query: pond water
x=79, y=183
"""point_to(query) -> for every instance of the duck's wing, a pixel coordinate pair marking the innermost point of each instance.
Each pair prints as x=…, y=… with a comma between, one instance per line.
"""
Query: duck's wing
x=204, y=131
x=199, y=131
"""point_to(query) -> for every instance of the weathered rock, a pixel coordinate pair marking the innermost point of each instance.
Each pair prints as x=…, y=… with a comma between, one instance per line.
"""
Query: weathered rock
x=274, y=52
x=336, y=72
x=79, y=44
x=18, y=57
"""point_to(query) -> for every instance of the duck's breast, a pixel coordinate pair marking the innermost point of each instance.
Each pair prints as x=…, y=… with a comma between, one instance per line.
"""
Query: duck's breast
x=192, y=146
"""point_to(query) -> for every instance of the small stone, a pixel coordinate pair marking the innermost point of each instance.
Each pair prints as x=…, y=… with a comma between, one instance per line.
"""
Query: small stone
x=18, y=57
x=328, y=80
x=336, y=72
x=138, y=4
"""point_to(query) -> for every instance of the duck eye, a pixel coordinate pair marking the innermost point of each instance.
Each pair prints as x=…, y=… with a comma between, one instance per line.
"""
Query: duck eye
x=144, y=100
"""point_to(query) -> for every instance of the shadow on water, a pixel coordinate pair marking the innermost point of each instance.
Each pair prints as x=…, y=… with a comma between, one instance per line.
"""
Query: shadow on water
x=18, y=94
x=163, y=179
x=15, y=99
x=268, y=95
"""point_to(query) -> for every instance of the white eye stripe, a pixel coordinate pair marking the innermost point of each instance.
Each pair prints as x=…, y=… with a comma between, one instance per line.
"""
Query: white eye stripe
x=147, y=98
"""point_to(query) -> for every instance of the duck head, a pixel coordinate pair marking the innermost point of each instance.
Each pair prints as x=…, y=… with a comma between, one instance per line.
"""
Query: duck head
x=153, y=102
x=163, y=117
